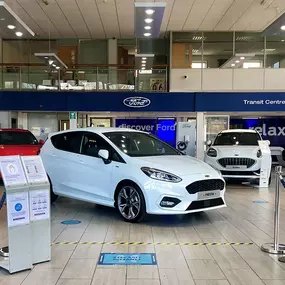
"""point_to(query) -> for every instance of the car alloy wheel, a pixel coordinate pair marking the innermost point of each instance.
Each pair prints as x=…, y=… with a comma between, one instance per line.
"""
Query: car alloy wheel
x=129, y=203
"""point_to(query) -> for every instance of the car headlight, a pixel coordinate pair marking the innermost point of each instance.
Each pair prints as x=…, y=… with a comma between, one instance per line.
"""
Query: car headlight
x=259, y=153
x=160, y=175
x=212, y=152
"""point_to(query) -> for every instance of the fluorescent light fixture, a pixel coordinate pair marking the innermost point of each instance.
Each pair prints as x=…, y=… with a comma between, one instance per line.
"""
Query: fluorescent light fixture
x=147, y=34
x=53, y=65
x=147, y=27
x=149, y=20
x=51, y=59
x=143, y=61
x=143, y=65
x=2, y=19
x=11, y=27
x=57, y=67
x=50, y=62
x=268, y=50
x=46, y=57
x=143, y=58
x=143, y=68
x=242, y=57
x=198, y=38
x=282, y=28
x=18, y=34
x=233, y=64
x=237, y=61
x=282, y=40
x=149, y=11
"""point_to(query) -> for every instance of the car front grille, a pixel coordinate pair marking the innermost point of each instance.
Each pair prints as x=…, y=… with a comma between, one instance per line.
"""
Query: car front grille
x=202, y=204
x=240, y=161
x=205, y=185
x=243, y=173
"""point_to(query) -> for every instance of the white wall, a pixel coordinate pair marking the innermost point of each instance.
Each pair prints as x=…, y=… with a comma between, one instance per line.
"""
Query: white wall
x=215, y=79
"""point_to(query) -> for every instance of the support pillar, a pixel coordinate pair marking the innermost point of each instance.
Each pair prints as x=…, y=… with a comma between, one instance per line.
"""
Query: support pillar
x=112, y=59
x=200, y=135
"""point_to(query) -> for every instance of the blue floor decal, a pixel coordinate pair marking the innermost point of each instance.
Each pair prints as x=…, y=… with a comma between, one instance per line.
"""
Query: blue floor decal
x=260, y=202
x=71, y=222
x=127, y=259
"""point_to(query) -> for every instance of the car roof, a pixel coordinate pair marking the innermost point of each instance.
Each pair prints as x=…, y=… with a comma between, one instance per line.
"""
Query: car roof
x=14, y=130
x=239, y=131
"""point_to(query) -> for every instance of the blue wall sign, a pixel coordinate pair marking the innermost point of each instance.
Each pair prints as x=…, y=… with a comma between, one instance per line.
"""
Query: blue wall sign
x=127, y=259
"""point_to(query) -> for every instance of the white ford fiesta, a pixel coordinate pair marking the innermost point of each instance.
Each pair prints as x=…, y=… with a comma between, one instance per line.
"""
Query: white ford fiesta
x=130, y=170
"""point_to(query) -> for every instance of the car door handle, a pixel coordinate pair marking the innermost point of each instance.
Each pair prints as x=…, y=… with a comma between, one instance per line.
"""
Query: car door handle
x=81, y=161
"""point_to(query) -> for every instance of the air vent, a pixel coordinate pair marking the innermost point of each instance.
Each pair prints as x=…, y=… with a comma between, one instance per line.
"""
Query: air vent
x=198, y=38
x=195, y=50
x=269, y=50
x=244, y=38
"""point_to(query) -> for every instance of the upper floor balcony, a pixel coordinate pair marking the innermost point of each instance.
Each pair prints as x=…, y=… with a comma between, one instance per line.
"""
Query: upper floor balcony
x=87, y=77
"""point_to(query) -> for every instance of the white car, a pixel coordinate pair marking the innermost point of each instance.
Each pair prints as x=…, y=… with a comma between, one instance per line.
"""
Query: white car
x=130, y=170
x=236, y=154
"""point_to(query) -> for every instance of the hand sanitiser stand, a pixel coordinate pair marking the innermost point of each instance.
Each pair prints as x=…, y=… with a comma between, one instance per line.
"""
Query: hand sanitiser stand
x=28, y=212
x=39, y=205
x=18, y=216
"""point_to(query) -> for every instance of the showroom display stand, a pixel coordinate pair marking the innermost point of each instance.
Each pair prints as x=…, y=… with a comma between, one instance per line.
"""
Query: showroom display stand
x=28, y=223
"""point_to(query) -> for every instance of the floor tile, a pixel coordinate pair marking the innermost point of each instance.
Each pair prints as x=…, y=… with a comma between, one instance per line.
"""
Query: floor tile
x=87, y=251
x=142, y=282
x=175, y=277
x=205, y=269
x=80, y=268
x=73, y=282
x=40, y=276
x=109, y=276
x=196, y=252
x=242, y=277
x=142, y=272
x=212, y=282
x=271, y=282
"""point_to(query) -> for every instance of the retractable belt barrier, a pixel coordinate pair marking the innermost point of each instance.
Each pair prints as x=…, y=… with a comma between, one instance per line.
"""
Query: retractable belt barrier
x=2, y=201
x=276, y=247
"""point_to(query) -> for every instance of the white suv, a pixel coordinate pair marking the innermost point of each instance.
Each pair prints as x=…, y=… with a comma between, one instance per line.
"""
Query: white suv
x=236, y=154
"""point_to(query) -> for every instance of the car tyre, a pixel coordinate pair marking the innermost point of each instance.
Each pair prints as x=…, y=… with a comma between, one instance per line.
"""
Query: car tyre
x=53, y=197
x=130, y=203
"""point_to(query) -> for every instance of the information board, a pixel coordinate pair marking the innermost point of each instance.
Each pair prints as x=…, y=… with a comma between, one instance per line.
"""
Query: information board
x=34, y=169
x=39, y=205
x=12, y=170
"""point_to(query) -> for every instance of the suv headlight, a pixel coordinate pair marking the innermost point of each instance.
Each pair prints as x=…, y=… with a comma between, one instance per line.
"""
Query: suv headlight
x=259, y=153
x=160, y=175
x=212, y=152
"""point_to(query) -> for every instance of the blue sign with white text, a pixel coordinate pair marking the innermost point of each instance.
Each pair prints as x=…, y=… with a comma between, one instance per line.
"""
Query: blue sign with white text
x=127, y=259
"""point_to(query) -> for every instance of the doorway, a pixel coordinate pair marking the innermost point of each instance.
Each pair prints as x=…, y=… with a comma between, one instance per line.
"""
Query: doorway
x=64, y=125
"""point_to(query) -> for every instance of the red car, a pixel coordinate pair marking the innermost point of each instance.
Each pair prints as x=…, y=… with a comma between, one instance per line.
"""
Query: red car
x=18, y=142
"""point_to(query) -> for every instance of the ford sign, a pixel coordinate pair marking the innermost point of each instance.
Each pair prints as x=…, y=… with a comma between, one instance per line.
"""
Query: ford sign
x=136, y=102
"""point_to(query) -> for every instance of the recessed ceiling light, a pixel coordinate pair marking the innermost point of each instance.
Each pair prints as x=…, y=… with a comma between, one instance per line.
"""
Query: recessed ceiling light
x=143, y=65
x=18, y=34
x=233, y=64
x=50, y=62
x=53, y=65
x=11, y=27
x=147, y=34
x=282, y=40
x=147, y=27
x=57, y=67
x=237, y=61
x=242, y=57
x=143, y=68
x=149, y=11
x=282, y=28
x=143, y=61
x=148, y=20
x=144, y=58
x=46, y=57
x=2, y=19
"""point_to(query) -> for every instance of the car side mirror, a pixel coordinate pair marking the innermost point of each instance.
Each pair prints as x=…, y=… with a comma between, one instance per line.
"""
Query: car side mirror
x=209, y=143
x=104, y=154
x=41, y=142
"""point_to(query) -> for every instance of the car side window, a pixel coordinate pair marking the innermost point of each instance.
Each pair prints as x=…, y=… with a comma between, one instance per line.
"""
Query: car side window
x=70, y=141
x=92, y=143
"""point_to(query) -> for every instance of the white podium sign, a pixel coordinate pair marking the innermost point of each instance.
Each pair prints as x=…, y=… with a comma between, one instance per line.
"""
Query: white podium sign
x=12, y=171
x=266, y=162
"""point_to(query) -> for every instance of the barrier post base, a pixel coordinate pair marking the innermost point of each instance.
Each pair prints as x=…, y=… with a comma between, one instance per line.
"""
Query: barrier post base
x=4, y=251
x=269, y=248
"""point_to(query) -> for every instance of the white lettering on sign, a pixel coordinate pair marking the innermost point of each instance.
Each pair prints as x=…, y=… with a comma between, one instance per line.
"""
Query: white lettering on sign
x=264, y=102
x=149, y=128
x=271, y=131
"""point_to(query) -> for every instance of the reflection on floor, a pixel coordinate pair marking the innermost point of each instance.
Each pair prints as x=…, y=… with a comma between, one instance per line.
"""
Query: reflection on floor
x=242, y=221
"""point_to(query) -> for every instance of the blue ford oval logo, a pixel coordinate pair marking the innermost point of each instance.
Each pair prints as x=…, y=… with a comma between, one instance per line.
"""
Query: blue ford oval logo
x=136, y=102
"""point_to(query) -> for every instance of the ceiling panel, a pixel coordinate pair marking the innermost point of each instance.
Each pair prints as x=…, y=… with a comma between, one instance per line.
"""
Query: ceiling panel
x=126, y=10
x=216, y=12
x=198, y=12
x=73, y=15
x=58, y=19
x=108, y=13
x=92, y=18
x=179, y=14
x=37, y=14
x=14, y=5
x=236, y=10
x=166, y=16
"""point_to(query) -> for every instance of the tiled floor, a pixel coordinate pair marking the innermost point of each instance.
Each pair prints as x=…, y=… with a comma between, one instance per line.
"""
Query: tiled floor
x=242, y=221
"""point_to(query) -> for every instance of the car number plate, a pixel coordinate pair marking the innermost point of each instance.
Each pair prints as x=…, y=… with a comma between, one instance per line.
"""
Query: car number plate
x=236, y=166
x=208, y=195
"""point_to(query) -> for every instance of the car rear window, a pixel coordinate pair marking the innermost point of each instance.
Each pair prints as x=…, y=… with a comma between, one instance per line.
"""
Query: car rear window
x=17, y=138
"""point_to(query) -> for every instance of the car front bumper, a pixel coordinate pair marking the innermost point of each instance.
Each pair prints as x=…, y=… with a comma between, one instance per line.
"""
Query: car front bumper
x=155, y=191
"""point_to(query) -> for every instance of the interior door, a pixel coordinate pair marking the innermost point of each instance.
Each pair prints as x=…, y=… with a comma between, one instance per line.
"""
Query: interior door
x=94, y=173
x=64, y=125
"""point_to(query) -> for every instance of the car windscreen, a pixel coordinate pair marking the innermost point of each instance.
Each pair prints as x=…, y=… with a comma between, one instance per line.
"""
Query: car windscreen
x=17, y=138
x=237, y=139
x=137, y=144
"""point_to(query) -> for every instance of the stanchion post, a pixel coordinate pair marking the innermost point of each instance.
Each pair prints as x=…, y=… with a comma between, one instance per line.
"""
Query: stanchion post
x=275, y=248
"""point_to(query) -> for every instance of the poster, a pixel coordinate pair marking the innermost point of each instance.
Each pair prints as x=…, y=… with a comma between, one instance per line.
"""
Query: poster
x=34, y=169
x=12, y=170
x=39, y=205
x=18, y=209
x=157, y=84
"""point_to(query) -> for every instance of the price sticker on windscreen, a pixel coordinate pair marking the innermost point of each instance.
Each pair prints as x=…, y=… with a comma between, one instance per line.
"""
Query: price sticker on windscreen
x=34, y=169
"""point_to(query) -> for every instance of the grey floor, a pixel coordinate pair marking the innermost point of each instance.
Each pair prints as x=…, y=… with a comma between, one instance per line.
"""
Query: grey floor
x=242, y=221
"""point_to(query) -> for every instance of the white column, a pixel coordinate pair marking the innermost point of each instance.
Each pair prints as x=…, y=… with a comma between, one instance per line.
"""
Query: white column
x=5, y=120
x=112, y=59
x=200, y=135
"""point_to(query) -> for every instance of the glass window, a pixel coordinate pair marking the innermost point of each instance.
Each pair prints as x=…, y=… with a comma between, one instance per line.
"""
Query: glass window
x=137, y=144
x=237, y=138
x=199, y=64
x=70, y=141
x=17, y=138
x=92, y=143
x=252, y=64
x=275, y=52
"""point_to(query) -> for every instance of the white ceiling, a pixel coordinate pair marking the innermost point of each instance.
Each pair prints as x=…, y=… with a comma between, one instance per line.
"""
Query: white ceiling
x=115, y=18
